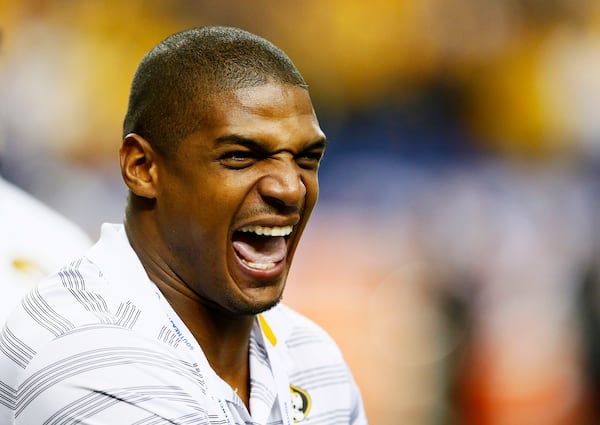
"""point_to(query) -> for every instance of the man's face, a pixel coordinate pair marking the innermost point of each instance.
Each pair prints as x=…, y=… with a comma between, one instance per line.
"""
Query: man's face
x=232, y=205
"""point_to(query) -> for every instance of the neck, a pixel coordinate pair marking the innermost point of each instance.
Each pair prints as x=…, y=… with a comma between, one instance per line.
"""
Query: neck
x=224, y=338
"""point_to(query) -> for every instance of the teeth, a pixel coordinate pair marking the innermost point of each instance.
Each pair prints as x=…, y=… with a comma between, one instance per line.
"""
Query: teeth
x=261, y=266
x=268, y=231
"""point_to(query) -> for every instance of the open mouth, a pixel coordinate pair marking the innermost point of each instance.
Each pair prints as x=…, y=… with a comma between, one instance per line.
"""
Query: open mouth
x=261, y=247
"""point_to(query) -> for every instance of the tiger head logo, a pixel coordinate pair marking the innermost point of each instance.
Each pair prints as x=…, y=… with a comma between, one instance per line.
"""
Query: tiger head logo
x=300, y=403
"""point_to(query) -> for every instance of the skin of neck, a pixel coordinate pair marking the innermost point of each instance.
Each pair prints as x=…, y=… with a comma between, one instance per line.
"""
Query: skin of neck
x=224, y=338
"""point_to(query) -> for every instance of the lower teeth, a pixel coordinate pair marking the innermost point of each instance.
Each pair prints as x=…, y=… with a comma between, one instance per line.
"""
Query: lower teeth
x=261, y=266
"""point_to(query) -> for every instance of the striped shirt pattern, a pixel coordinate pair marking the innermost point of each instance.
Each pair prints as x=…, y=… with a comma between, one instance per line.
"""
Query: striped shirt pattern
x=96, y=344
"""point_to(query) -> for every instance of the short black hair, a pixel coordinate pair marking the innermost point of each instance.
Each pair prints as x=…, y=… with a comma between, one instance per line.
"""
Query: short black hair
x=174, y=79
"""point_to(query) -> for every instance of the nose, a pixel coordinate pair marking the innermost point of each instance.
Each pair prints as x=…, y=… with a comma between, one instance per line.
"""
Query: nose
x=282, y=186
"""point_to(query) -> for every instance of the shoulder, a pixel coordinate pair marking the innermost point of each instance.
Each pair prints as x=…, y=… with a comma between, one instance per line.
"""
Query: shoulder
x=322, y=384
x=309, y=347
x=126, y=375
x=59, y=304
x=77, y=339
x=297, y=330
x=47, y=316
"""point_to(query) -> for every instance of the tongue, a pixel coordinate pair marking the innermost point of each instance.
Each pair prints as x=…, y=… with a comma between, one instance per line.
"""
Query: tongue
x=259, y=249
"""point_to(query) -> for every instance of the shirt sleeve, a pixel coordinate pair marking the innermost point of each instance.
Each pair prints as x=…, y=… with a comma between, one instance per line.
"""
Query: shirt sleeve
x=107, y=375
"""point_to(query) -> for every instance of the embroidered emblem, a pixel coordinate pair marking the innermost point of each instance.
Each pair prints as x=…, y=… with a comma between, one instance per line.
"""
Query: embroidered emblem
x=300, y=403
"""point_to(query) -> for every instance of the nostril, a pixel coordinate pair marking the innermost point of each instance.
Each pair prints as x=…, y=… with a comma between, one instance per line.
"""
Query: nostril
x=281, y=205
x=283, y=190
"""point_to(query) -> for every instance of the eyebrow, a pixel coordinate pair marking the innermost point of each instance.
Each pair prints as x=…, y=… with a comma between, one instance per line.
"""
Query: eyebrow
x=236, y=139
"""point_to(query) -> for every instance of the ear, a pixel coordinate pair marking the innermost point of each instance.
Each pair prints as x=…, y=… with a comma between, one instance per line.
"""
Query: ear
x=138, y=166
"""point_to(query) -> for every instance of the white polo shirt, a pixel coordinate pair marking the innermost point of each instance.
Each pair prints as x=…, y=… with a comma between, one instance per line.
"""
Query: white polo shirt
x=34, y=242
x=98, y=344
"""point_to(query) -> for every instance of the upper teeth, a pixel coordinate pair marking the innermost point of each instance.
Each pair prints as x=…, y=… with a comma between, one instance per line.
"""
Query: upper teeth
x=268, y=231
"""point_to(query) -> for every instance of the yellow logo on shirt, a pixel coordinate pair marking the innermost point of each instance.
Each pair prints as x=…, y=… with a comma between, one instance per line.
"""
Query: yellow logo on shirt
x=300, y=403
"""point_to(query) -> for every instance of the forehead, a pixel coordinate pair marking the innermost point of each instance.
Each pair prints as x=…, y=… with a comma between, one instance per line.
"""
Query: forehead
x=282, y=99
x=270, y=110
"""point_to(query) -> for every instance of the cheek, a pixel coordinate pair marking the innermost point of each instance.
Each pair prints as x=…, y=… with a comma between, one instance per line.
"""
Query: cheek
x=311, y=183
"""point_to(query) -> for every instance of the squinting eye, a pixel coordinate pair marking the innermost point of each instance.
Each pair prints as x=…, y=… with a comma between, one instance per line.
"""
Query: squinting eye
x=239, y=156
x=237, y=159
x=309, y=160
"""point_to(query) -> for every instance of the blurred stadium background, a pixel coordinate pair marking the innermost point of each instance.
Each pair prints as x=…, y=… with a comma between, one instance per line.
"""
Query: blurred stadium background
x=454, y=253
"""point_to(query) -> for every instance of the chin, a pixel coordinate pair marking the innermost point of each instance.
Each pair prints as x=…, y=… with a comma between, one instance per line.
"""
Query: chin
x=252, y=310
x=256, y=304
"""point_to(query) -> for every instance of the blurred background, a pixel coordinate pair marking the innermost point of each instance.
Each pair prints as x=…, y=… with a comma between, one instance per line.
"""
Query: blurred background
x=454, y=253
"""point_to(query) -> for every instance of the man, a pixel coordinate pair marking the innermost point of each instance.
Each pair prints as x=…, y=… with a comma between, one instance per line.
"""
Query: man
x=34, y=241
x=175, y=316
